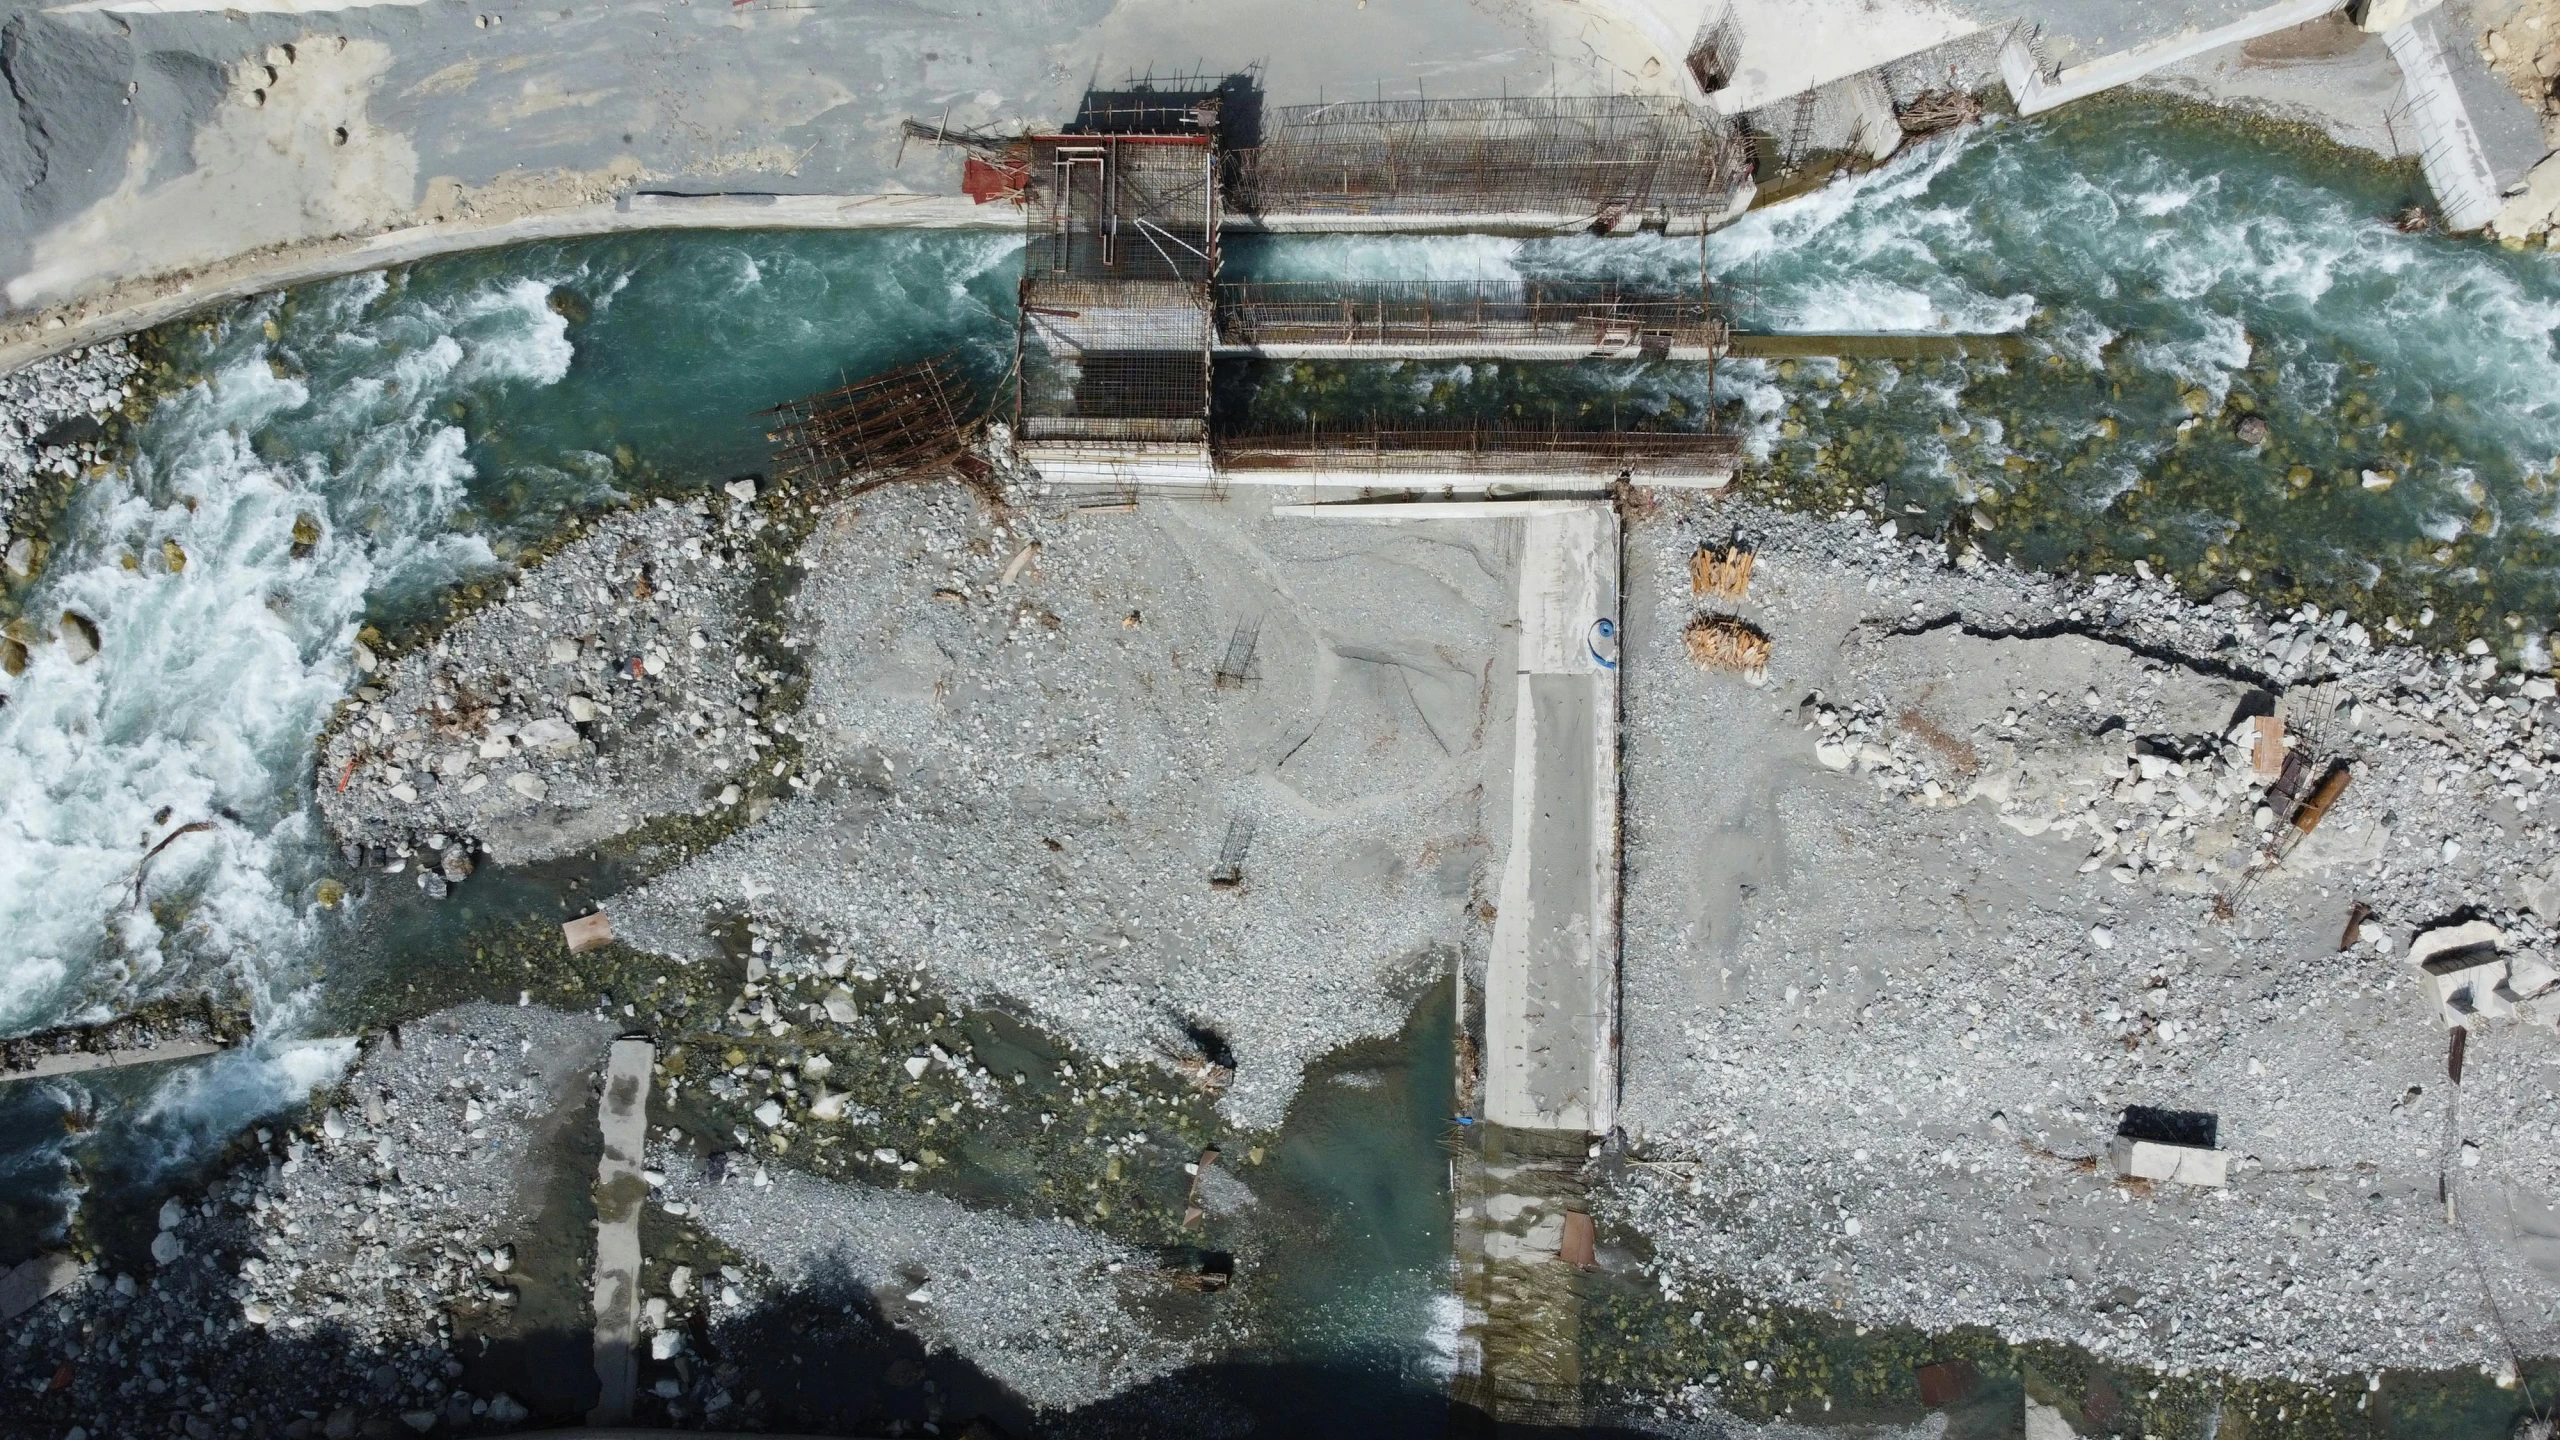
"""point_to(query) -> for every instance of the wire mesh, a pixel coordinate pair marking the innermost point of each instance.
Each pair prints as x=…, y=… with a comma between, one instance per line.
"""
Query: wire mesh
x=1585, y=155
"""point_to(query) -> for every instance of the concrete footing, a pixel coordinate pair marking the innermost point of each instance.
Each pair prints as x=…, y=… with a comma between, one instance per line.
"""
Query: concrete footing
x=622, y=1113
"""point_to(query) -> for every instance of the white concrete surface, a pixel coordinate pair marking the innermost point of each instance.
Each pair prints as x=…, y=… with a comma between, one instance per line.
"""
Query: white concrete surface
x=2449, y=149
x=2379, y=17
x=2178, y=1164
x=622, y=1113
x=1785, y=47
x=1388, y=511
x=2034, y=93
x=1551, y=981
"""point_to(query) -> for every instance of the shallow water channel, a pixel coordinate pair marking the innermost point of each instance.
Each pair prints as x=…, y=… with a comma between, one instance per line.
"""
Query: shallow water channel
x=2154, y=275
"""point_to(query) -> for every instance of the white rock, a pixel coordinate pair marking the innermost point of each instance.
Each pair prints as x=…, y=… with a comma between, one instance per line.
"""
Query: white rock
x=405, y=793
x=257, y=1312
x=2102, y=937
x=829, y=1106
x=666, y=1344
x=549, y=735
x=680, y=1281
x=816, y=1067
x=729, y=794
x=173, y=1213
x=1832, y=754
x=581, y=709
x=916, y=1067
x=564, y=651
x=769, y=1114
x=365, y=660
x=742, y=490
x=474, y=784
x=528, y=785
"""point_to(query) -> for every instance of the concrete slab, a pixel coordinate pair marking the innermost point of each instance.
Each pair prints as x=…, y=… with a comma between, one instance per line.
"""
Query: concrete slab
x=2449, y=145
x=1551, y=983
x=622, y=1113
x=2035, y=93
x=2177, y=1164
x=82, y=1061
x=30, y=1284
x=1785, y=47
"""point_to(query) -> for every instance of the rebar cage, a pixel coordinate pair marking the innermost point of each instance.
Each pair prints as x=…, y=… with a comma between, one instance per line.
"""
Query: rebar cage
x=1483, y=449
x=875, y=430
x=1602, y=156
x=1123, y=207
x=1597, y=315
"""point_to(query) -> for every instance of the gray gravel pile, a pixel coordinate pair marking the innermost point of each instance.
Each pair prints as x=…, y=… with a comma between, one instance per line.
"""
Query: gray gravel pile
x=1909, y=929
x=1043, y=1306
x=1029, y=779
x=313, y=1290
x=607, y=688
x=49, y=411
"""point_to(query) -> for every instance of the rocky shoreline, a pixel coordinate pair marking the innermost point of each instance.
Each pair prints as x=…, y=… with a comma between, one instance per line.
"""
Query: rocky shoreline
x=53, y=415
x=611, y=685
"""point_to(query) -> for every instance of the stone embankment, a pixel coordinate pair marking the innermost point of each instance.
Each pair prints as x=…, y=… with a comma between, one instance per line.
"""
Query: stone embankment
x=611, y=686
x=52, y=414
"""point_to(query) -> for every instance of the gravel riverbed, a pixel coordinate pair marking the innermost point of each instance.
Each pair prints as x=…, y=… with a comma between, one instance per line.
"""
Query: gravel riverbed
x=1910, y=926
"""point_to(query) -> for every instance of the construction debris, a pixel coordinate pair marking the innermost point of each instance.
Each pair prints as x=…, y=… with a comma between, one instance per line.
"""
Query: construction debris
x=588, y=932
x=909, y=423
x=2171, y=1145
x=1721, y=574
x=1933, y=112
x=1728, y=642
x=39, y=1279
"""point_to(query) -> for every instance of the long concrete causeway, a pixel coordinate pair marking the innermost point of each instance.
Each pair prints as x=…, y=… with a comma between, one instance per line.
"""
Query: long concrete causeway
x=1551, y=982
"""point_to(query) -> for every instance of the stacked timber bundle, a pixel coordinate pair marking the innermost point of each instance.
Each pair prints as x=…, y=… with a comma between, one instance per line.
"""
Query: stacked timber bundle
x=1723, y=574
x=1729, y=643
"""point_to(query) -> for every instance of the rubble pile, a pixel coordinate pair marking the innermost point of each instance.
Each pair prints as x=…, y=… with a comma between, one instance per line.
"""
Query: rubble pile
x=609, y=687
x=314, y=1289
x=1048, y=1308
x=2016, y=865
